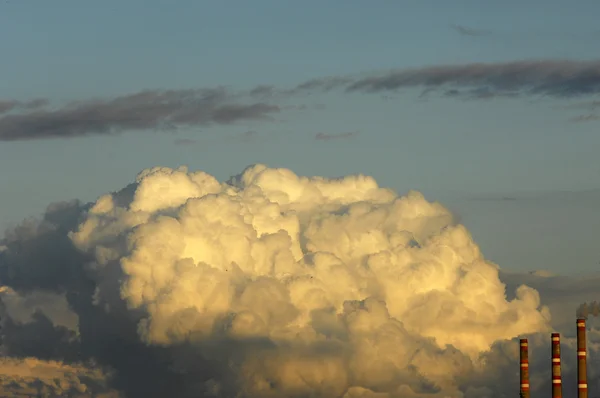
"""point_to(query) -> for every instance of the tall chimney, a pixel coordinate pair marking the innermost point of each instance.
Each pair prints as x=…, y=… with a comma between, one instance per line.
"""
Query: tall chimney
x=524, y=369
x=556, y=371
x=582, y=388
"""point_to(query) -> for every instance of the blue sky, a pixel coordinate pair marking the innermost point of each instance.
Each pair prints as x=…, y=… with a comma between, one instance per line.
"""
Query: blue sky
x=448, y=148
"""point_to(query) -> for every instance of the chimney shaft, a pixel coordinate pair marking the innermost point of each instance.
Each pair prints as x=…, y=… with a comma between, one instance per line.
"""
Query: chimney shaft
x=582, y=388
x=556, y=368
x=524, y=369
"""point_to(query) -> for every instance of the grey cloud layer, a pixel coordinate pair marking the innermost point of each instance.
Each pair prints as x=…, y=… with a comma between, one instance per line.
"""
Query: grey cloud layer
x=9, y=105
x=143, y=110
x=168, y=109
x=555, y=78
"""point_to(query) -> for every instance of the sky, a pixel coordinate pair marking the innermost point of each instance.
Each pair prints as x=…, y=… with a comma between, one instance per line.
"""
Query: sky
x=447, y=146
x=379, y=199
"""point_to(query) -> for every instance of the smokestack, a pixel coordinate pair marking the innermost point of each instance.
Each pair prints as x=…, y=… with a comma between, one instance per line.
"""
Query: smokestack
x=582, y=388
x=524, y=369
x=556, y=371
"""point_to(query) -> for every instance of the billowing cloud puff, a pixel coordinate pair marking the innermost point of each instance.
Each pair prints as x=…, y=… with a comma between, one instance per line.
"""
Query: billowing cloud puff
x=31, y=377
x=298, y=286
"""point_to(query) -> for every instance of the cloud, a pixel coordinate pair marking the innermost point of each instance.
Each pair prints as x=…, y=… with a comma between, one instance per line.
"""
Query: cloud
x=170, y=109
x=291, y=300
x=271, y=284
x=586, y=105
x=339, y=136
x=185, y=141
x=246, y=136
x=30, y=377
x=585, y=118
x=151, y=109
x=9, y=105
x=564, y=296
x=304, y=107
x=465, y=31
x=6, y=106
x=589, y=107
x=263, y=91
x=553, y=78
x=23, y=308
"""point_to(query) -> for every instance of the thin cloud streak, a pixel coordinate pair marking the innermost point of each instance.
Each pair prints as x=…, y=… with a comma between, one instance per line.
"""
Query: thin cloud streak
x=331, y=137
x=552, y=78
x=151, y=109
x=169, y=109
x=10, y=105
x=185, y=141
x=549, y=78
x=585, y=118
x=465, y=31
x=587, y=105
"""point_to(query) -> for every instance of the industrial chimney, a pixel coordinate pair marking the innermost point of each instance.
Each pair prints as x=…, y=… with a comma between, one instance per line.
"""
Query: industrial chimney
x=525, y=369
x=556, y=369
x=582, y=387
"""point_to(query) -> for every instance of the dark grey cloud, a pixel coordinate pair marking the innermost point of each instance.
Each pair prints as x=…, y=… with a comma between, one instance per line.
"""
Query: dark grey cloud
x=168, y=109
x=263, y=91
x=151, y=109
x=307, y=107
x=9, y=105
x=325, y=83
x=339, y=136
x=37, y=256
x=552, y=78
x=465, y=31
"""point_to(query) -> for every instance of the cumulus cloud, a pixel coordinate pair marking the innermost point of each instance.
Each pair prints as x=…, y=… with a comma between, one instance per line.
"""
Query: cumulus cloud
x=22, y=307
x=31, y=377
x=146, y=110
x=271, y=284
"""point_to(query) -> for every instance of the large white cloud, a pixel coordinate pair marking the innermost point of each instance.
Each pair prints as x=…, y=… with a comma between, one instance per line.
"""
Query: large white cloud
x=303, y=286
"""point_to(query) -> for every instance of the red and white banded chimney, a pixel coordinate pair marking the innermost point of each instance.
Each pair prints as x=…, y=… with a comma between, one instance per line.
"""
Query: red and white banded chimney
x=556, y=368
x=582, y=387
x=524, y=375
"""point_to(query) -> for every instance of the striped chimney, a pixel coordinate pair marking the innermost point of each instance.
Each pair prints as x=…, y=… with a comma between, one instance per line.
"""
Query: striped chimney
x=582, y=388
x=556, y=371
x=524, y=369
